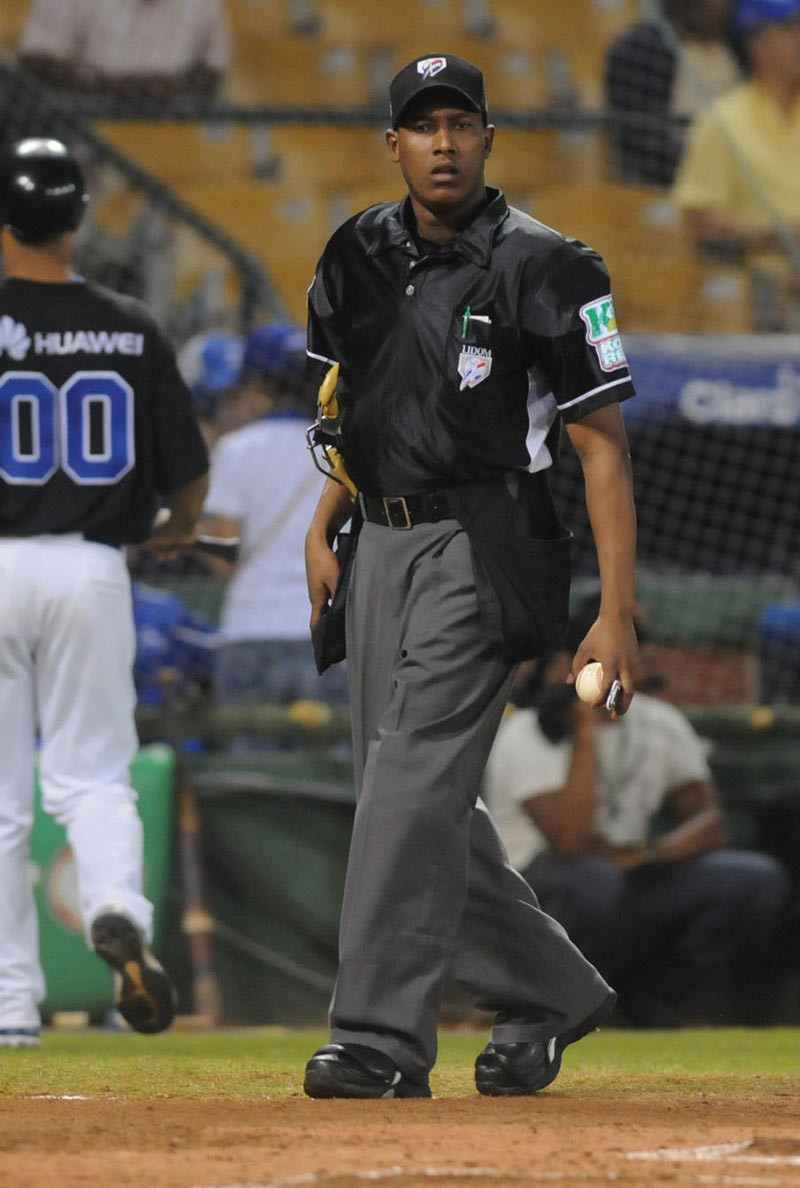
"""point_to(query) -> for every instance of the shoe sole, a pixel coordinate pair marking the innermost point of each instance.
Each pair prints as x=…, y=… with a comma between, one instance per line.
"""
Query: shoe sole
x=495, y=1082
x=144, y=994
x=325, y=1080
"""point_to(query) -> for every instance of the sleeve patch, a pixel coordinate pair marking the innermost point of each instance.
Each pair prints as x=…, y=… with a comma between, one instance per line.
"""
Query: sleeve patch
x=602, y=333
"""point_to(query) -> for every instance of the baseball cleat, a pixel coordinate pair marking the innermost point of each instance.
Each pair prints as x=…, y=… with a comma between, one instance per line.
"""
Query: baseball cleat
x=19, y=1037
x=145, y=997
x=353, y=1070
x=519, y=1069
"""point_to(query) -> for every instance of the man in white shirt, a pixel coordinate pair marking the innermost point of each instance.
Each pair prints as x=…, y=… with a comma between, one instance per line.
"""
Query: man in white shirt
x=264, y=491
x=617, y=826
x=128, y=49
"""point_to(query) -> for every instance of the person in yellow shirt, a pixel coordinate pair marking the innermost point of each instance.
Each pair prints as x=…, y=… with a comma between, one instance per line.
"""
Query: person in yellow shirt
x=739, y=183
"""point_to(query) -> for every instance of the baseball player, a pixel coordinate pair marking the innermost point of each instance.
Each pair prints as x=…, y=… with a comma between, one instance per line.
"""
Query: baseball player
x=95, y=427
x=465, y=334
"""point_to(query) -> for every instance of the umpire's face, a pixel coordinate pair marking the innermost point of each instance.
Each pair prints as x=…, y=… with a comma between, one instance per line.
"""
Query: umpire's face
x=441, y=146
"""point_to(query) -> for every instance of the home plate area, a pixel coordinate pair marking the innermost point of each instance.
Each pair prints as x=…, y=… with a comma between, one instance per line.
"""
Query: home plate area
x=631, y=1139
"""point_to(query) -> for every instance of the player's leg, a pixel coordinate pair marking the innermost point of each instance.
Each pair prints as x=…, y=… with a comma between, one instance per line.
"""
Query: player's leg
x=21, y=981
x=86, y=702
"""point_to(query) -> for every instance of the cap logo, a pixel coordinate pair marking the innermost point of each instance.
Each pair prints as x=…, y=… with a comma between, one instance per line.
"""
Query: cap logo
x=430, y=67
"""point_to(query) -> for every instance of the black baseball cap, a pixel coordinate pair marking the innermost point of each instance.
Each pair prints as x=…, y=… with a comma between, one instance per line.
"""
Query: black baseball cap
x=437, y=70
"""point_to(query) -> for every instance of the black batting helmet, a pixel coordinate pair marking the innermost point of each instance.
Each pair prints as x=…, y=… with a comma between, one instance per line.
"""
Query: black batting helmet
x=42, y=190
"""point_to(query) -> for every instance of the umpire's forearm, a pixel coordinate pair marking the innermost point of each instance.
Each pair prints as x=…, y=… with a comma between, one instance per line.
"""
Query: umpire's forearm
x=609, y=501
x=602, y=446
x=334, y=509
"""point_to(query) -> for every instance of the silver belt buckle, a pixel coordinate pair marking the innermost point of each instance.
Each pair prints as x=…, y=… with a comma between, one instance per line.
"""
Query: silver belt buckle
x=392, y=504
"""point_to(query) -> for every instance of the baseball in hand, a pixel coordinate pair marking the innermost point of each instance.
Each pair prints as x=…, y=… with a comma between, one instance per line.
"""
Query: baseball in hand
x=589, y=683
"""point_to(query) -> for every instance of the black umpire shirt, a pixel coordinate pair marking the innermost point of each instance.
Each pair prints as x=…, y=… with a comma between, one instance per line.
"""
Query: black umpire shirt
x=458, y=361
x=95, y=420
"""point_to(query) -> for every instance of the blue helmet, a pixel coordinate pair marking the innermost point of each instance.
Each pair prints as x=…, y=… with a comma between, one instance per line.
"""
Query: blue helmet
x=210, y=363
x=276, y=351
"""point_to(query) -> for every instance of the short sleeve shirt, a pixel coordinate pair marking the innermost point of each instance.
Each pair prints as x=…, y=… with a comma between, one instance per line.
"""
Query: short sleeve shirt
x=260, y=477
x=641, y=758
x=745, y=146
x=95, y=421
x=122, y=37
x=457, y=364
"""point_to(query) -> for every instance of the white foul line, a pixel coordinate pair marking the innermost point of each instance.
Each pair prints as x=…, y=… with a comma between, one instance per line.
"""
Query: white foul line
x=727, y=1152
x=433, y=1173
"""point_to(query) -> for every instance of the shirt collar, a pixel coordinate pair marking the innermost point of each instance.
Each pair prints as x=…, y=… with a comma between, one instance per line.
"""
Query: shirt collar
x=394, y=230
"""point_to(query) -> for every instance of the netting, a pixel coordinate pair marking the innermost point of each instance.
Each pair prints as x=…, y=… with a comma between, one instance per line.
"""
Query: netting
x=273, y=143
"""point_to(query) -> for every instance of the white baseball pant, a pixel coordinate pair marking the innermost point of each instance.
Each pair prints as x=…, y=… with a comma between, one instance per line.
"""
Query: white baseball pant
x=66, y=654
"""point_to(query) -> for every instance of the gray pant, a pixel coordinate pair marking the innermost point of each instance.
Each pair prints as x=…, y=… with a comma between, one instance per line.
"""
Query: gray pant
x=427, y=880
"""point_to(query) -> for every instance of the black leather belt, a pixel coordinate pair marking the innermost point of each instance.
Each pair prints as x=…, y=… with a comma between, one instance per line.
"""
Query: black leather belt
x=404, y=511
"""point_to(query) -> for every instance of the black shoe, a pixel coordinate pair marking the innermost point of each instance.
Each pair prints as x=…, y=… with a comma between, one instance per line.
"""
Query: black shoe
x=145, y=997
x=353, y=1070
x=514, y=1070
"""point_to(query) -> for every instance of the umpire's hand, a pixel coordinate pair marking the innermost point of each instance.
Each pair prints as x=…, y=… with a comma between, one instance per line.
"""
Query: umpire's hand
x=322, y=575
x=612, y=641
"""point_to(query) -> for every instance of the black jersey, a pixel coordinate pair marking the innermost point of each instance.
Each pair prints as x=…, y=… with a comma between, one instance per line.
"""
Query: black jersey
x=95, y=420
x=459, y=363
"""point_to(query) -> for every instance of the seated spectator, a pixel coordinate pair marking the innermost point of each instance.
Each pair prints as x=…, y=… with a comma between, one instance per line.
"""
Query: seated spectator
x=650, y=74
x=739, y=184
x=617, y=826
x=131, y=50
x=264, y=489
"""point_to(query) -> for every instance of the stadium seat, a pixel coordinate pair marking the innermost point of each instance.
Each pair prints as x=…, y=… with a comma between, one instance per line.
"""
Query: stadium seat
x=326, y=157
x=545, y=23
x=571, y=38
x=181, y=153
x=529, y=160
x=289, y=71
x=659, y=285
x=259, y=19
x=285, y=230
x=351, y=200
x=352, y=22
x=13, y=14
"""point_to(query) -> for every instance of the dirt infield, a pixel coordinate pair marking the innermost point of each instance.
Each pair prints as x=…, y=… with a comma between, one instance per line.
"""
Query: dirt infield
x=557, y=1138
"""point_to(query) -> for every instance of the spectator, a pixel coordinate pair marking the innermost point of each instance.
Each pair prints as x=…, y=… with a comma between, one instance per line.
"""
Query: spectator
x=173, y=648
x=739, y=185
x=648, y=74
x=264, y=490
x=211, y=364
x=132, y=50
x=617, y=826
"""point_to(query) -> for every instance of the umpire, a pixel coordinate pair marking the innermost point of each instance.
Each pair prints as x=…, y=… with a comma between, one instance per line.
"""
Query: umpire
x=465, y=334
x=95, y=426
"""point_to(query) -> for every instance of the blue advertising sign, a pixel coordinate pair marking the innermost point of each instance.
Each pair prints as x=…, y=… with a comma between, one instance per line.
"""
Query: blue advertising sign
x=746, y=380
